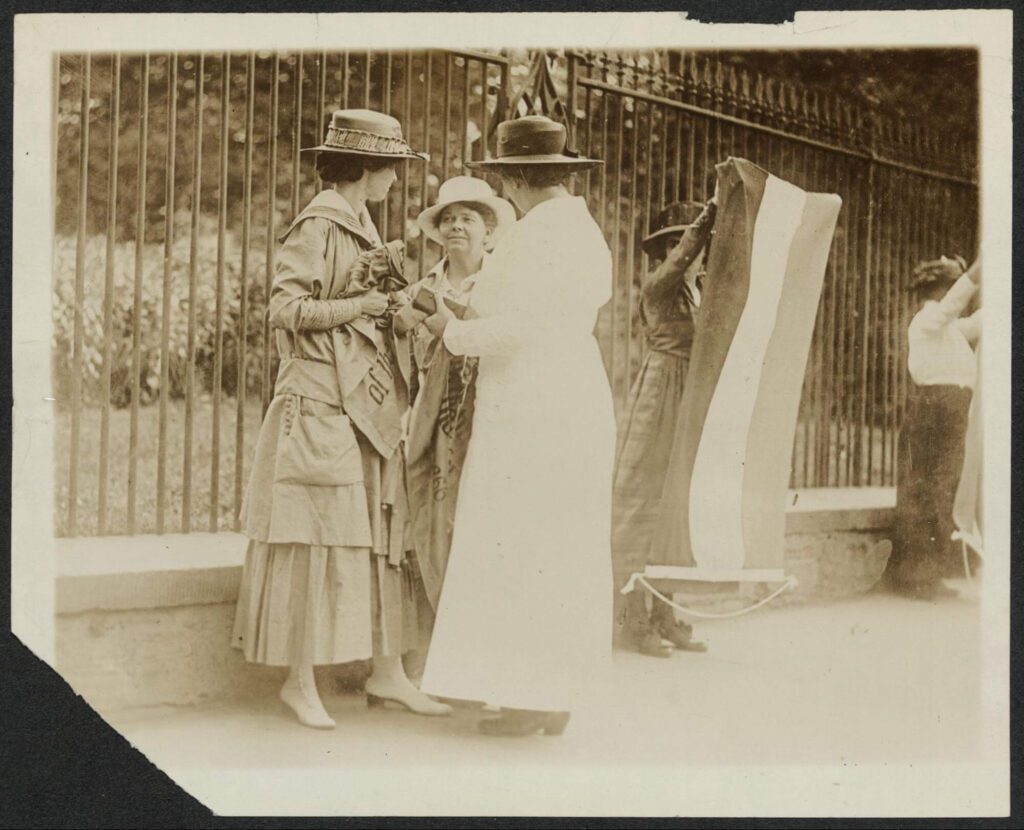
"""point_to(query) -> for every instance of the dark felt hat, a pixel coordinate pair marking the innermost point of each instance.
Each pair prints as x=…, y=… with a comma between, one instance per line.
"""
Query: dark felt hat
x=366, y=133
x=674, y=218
x=532, y=140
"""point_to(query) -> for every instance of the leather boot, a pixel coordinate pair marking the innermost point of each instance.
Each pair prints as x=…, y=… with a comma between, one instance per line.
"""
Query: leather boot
x=677, y=632
x=642, y=635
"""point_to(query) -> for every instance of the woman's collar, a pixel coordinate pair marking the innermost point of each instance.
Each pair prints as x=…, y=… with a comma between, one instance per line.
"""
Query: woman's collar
x=331, y=198
x=440, y=271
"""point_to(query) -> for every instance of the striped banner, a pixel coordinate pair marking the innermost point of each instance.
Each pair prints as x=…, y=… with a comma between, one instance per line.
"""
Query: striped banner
x=723, y=508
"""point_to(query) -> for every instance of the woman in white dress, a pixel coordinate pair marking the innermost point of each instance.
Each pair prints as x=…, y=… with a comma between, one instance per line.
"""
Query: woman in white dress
x=524, y=620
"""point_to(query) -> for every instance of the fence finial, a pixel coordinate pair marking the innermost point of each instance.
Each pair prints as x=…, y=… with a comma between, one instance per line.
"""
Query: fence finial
x=760, y=101
x=806, y=113
x=816, y=112
x=692, y=77
x=769, y=96
x=732, y=95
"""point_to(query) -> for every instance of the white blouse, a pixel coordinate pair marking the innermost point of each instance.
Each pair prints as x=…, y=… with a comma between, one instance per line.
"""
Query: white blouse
x=941, y=341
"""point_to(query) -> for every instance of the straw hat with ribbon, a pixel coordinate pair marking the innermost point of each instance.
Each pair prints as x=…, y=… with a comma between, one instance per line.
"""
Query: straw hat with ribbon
x=469, y=191
x=366, y=133
x=532, y=140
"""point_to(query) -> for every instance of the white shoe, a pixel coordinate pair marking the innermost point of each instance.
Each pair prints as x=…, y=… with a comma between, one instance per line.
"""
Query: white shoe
x=411, y=698
x=310, y=713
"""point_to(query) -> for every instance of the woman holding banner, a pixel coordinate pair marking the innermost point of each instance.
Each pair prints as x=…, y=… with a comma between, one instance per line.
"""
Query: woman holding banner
x=668, y=309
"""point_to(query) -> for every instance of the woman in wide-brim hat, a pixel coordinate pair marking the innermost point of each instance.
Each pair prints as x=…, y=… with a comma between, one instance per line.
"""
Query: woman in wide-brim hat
x=524, y=618
x=466, y=220
x=668, y=307
x=325, y=580
x=475, y=194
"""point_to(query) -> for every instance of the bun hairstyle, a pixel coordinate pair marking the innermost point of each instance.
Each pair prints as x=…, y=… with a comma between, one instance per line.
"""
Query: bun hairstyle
x=540, y=175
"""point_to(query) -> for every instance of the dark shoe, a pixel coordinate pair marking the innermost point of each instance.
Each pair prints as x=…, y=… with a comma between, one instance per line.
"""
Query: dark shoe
x=642, y=630
x=678, y=633
x=681, y=636
x=518, y=723
x=652, y=645
x=632, y=620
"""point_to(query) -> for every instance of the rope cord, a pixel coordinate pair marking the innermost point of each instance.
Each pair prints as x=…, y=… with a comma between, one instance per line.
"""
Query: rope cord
x=789, y=583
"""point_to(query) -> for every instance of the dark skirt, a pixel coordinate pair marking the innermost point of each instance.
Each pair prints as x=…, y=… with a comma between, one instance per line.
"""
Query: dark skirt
x=645, y=446
x=930, y=457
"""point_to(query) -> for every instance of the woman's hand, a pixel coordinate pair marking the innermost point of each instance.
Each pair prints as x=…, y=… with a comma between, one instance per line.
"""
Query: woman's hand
x=407, y=318
x=373, y=303
x=974, y=272
x=693, y=241
x=436, y=323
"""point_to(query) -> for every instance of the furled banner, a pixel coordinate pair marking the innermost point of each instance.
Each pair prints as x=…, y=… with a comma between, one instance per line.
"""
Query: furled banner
x=723, y=507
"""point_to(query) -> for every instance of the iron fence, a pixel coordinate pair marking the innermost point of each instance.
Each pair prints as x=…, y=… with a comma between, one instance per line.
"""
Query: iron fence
x=174, y=173
x=907, y=197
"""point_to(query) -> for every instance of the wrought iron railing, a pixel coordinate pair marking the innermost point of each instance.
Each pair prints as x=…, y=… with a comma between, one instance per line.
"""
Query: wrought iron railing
x=908, y=195
x=174, y=173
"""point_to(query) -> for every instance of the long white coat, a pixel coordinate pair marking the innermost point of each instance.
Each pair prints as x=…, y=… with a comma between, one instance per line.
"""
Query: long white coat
x=524, y=619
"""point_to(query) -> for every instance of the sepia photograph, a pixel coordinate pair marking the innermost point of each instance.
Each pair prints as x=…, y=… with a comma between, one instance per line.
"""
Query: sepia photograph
x=526, y=414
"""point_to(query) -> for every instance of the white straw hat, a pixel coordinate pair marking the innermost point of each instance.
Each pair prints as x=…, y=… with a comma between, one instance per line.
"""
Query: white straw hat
x=459, y=189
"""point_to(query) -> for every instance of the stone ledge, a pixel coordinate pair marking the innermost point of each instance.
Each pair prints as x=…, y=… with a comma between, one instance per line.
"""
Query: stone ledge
x=120, y=573
x=146, y=620
x=827, y=509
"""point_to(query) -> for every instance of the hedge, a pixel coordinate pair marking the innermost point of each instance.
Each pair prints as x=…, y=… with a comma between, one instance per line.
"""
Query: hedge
x=149, y=315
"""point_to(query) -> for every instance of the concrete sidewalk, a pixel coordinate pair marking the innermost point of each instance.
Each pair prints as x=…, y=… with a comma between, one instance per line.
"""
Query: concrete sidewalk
x=878, y=680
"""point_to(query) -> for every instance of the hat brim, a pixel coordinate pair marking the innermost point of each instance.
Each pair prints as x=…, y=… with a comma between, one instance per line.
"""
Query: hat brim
x=504, y=213
x=519, y=161
x=325, y=148
x=647, y=242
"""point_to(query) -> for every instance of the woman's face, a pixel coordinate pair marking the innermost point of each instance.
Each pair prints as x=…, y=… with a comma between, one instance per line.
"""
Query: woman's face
x=669, y=241
x=463, y=230
x=379, y=182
